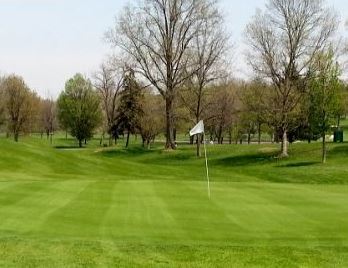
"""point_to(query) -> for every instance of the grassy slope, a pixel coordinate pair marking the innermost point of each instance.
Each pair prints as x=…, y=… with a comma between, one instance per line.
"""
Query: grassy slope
x=95, y=207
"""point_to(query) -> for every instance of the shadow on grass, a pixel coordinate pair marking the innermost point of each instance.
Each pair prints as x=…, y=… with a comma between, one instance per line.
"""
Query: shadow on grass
x=171, y=157
x=154, y=156
x=68, y=147
x=132, y=151
x=178, y=155
x=340, y=150
x=244, y=160
x=299, y=164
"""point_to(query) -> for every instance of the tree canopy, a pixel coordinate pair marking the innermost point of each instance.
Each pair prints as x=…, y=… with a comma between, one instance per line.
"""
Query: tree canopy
x=79, y=108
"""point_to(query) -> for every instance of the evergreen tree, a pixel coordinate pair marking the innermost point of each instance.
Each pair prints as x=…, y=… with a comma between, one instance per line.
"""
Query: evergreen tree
x=130, y=110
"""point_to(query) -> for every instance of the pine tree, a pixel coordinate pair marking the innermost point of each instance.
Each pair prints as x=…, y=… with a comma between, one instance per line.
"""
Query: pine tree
x=130, y=110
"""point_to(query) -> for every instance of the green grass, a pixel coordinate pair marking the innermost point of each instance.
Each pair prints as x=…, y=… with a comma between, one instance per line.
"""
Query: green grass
x=94, y=207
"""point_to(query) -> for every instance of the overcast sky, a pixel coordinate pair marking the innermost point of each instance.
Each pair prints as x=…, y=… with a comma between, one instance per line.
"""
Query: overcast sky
x=48, y=41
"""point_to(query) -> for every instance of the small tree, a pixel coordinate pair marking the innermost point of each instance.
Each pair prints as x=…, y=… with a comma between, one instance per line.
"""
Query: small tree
x=48, y=116
x=20, y=103
x=254, y=108
x=345, y=101
x=2, y=101
x=222, y=111
x=79, y=108
x=324, y=101
x=152, y=121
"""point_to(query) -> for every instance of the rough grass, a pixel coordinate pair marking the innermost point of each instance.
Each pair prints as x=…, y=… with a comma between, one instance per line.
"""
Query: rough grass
x=61, y=206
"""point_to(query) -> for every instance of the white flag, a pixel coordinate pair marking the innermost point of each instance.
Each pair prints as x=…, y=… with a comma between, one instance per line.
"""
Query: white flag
x=198, y=129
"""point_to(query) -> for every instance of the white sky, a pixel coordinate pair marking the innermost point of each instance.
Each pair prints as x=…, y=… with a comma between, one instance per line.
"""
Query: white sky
x=48, y=41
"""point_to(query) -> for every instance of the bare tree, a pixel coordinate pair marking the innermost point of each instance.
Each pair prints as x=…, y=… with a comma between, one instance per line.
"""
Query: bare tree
x=48, y=116
x=158, y=36
x=151, y=122
x=283, y=42
x=225, y=104
x=109, y=81
x=208, y=65
x=2, y=101
x=256, y=103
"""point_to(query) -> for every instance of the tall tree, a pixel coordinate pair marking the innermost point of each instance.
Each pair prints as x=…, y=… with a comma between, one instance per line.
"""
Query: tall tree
x=223, y=108
x=324, y=95
x=255, y=99
x=130, y=109
x=2, y=101
x=283, y=42
x=48, y=116
x=109, y=81
x=158, y=36
x=207, y=65
x=19, y=103
x=79, y=108
x=345, y=101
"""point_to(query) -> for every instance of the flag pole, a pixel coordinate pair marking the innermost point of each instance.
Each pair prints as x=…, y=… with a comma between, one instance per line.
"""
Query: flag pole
x=206, y=164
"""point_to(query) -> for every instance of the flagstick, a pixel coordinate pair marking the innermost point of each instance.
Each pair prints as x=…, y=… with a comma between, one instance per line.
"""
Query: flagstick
x=206, y=164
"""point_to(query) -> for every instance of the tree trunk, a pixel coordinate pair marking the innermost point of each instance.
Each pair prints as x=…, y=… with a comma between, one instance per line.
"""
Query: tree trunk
x=80, y=143
x=101, y=140
x=170, y=144
x=259, y=133
x=324, y=149
x=284, y=145
x=148, y=144
x=110, y=141
x=198, y=145
x=249, y=137
x=220, y=139
x=338, y=121
x=127, y=142
x=16, y=136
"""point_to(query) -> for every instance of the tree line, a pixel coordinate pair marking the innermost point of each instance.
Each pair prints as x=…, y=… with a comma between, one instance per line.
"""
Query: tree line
x=170, y=69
